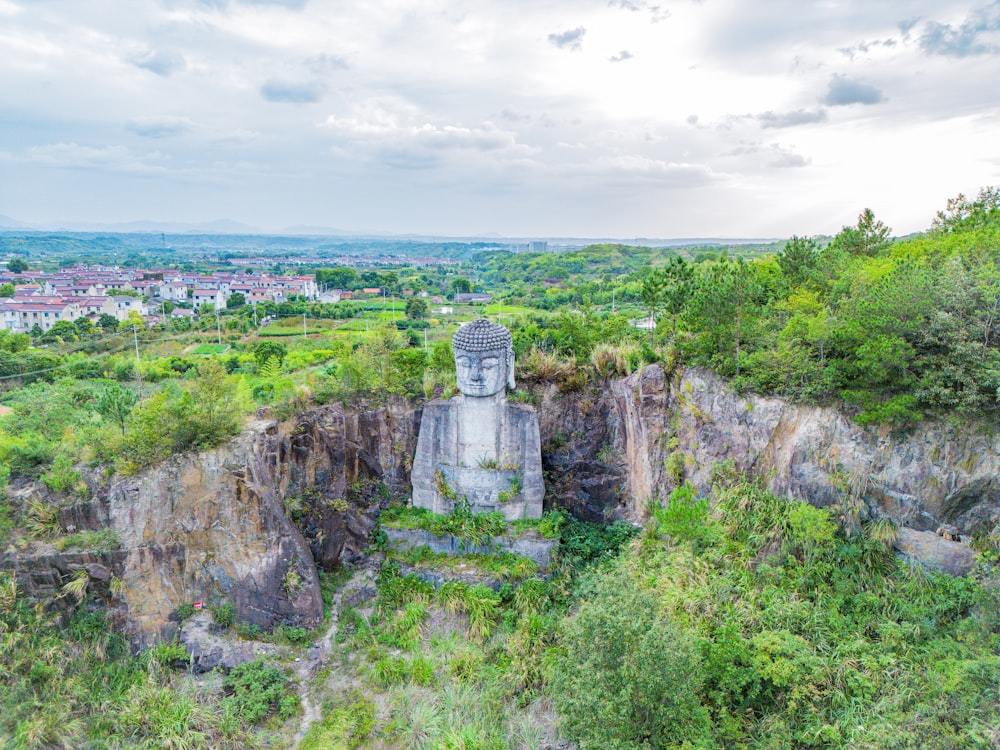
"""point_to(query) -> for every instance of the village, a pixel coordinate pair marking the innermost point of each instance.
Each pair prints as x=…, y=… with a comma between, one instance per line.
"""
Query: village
x=43, y=299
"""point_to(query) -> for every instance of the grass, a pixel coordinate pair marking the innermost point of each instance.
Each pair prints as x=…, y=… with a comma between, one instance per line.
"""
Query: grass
x=104, y=540
x=475, y=529
x=210, y=349
x=507, y=565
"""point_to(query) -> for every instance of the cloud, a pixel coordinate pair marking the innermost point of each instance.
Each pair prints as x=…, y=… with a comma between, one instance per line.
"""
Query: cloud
x=789, y=160
x=400, y=136
x=621, y=56
x=290, y=4
x=771, y=119
x=674, y=174
x=572, y=39
x=158, y=127
x=161, y=62
x=323, y=63
x=844, y=91
x=656, y=12
x=293, y=92
x=103, y=158
x=511, y=116
x=964, y=40
x=863, y=47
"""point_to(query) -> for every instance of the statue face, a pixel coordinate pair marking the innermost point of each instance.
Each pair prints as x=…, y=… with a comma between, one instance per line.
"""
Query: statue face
x=481, y=373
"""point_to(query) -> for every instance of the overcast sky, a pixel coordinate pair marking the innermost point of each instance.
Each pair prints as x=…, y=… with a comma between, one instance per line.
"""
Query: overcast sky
x=650, y=118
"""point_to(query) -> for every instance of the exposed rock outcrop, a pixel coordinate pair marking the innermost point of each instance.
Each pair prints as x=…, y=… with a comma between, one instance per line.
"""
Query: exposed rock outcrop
x=210, y=526
x=938, y=473
x=250, y=521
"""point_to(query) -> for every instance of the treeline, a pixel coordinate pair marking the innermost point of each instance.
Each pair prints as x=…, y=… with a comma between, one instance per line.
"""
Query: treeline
x=898, y=329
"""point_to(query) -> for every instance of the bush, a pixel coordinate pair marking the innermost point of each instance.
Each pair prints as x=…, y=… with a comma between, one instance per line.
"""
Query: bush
x=224, y=615
x=258, y=690
x=626, y=676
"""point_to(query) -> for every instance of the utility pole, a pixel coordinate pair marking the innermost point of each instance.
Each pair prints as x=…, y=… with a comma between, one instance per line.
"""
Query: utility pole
x=255, y=315
x=425, y=339
x=305, y=331
x=218, y=326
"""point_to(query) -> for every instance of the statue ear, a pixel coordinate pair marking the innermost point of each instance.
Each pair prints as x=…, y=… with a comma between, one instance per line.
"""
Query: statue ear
x=510, y=369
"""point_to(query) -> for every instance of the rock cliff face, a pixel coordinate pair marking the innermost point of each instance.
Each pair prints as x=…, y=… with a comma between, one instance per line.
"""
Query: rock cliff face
x=251, y=521
x=247, y=523
x=210, y=526
x=683, y=427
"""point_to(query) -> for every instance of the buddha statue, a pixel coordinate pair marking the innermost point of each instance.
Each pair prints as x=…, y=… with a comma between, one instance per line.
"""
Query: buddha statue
x=478, y=445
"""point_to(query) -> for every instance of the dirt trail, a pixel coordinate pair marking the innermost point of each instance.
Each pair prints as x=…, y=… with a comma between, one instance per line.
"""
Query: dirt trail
x=314, y=659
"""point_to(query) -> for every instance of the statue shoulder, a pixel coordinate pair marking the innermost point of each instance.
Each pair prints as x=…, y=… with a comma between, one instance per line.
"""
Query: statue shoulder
x=439, y=408
x=519, y=408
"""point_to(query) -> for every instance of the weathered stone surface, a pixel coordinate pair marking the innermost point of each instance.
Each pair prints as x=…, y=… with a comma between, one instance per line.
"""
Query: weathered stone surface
x=208, y=649
x=332, y=459
x=44, y=573
x=210, y=526
x=529, y=544
x=481, y=447
x=928, y=550
x=583, y=452
x=935, y=474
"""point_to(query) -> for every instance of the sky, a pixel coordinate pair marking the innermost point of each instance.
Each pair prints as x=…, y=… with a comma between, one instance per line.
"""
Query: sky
x=523, y=118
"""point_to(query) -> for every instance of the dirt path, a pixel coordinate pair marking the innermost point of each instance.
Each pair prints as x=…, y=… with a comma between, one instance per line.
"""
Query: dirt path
x=315, y=658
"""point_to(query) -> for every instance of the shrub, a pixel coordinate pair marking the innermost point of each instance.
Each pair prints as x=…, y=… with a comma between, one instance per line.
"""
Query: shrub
x=626, y=676
x=224, y=615
x=258, y=690
x=62, y=477
x=172, y=654
x=544, y=366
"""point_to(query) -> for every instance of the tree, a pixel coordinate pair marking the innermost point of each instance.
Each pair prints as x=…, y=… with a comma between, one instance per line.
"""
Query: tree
x=236, y=300
x=736, y=291
x=7, y=290
x=338, y=278
x=84, y=326
x=868, y=238
x=17, y=265
x=678, y=278
x=167, y=307
x=651, y=291
x=63, y=330
x=416, y=308
x=210, y=411
x=134, y=320
x=116, y=403
x=269, y=350
x=461, y=285
x=798, y=258
x=107, y=322
x=625, y=675
x=963, y=214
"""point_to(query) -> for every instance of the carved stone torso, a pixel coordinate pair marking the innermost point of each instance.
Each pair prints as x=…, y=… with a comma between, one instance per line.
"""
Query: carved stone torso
x=490, y=453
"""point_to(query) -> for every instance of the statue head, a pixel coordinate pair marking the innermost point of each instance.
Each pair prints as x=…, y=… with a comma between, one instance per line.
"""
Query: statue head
x=484, y=358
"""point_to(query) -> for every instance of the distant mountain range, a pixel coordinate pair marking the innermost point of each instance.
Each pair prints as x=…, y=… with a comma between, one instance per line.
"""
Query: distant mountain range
x=226, y=226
